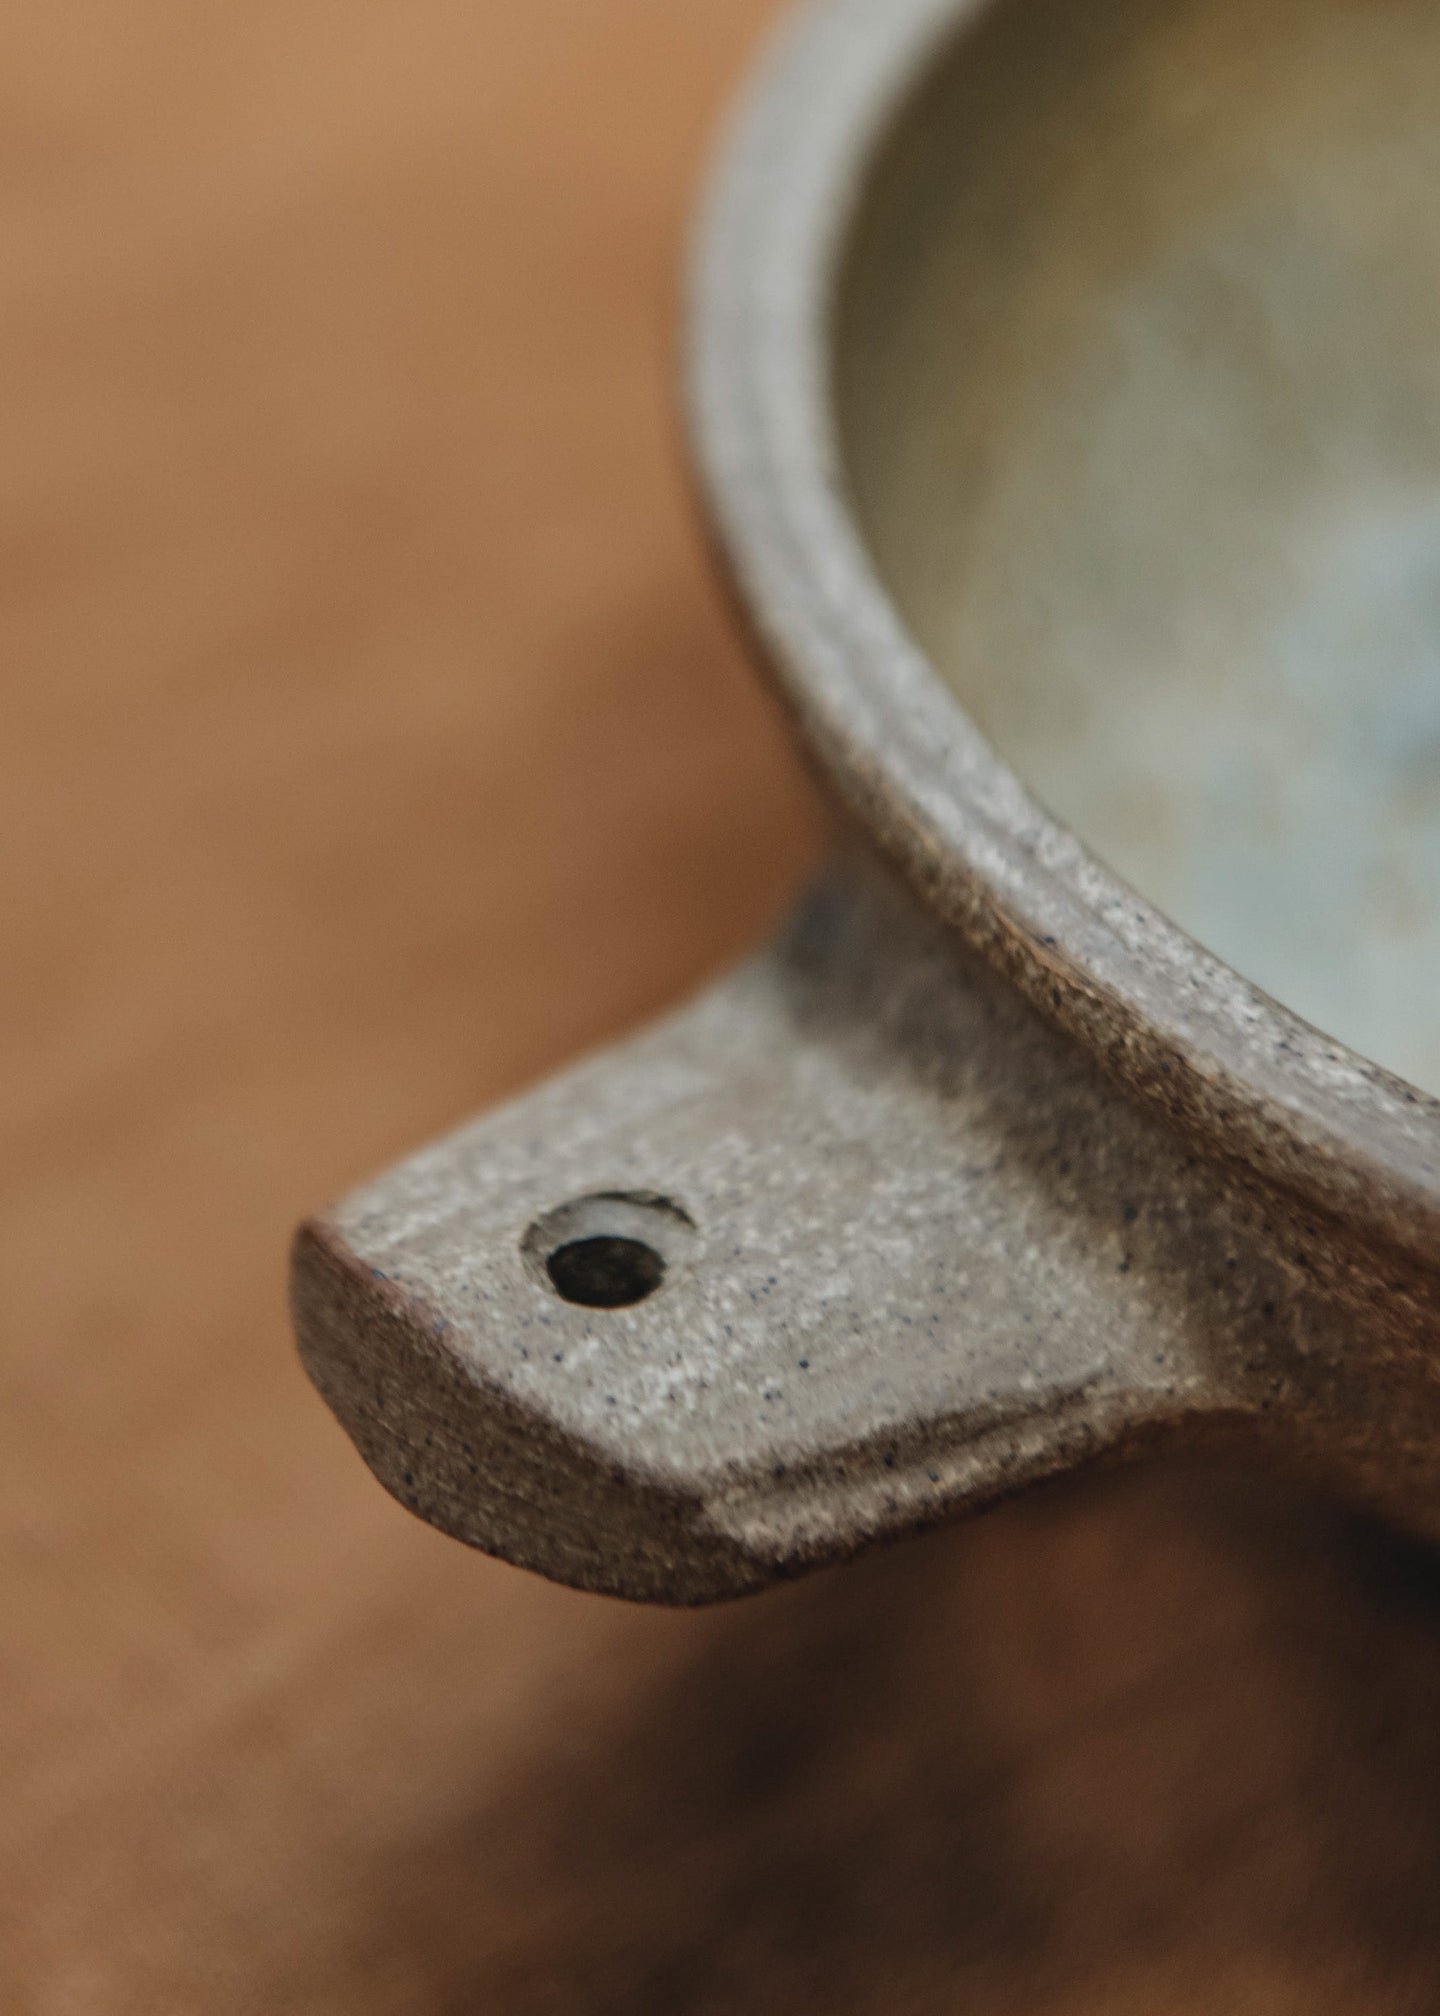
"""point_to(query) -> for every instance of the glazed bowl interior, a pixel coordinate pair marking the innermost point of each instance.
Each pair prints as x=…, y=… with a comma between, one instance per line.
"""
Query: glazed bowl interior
x=1138, y=383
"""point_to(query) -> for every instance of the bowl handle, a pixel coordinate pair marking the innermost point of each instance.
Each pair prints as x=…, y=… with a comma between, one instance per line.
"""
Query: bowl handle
x=855, y=1242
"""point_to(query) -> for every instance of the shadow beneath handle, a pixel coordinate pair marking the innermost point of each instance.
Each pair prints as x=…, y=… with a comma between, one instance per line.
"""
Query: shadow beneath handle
x=1160, y=1741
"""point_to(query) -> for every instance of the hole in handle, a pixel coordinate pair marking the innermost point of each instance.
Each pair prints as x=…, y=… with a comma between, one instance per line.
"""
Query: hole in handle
x=608, y=1250
x=605, y=1272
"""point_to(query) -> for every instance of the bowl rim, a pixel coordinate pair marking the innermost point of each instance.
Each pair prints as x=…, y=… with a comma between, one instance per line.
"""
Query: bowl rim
x=1244, y=1074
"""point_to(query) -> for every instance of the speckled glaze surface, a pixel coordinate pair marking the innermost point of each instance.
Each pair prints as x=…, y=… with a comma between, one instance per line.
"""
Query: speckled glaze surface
x=986, y=1169
x=1137, y=388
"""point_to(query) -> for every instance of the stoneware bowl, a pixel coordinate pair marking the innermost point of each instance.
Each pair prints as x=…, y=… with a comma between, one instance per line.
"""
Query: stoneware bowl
x=1064, y=387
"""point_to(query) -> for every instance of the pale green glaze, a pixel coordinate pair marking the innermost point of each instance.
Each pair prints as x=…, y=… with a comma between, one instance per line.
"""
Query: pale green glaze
x=1140, y=376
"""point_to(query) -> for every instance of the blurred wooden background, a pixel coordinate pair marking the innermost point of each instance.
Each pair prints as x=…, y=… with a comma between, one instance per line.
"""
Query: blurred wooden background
x=372, y=740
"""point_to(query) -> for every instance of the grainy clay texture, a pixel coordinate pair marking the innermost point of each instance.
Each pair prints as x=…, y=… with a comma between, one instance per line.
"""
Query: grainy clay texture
x=372, y=744
x=917, y=1253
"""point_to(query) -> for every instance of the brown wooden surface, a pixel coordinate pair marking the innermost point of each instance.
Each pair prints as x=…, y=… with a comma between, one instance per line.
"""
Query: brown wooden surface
x=372, y=740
